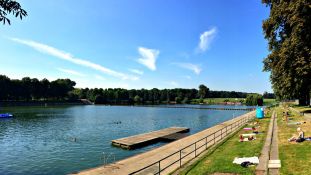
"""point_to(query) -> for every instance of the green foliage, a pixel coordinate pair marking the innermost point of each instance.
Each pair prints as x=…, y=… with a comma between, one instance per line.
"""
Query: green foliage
x=288, y=31
x=137, y=99
x=203, y=91
x=226, y=100
x=178, y=100
x=10, y=7
x=201, y=100
x=254, y=99
x=63, y=89
x=99, y=99
x=33, y=89
x=185, y=100
x=268, y=95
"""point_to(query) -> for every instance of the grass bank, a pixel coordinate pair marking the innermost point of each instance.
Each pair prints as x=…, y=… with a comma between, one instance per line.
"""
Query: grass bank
x=220, y=160
x=303, y=109
x=295, y=157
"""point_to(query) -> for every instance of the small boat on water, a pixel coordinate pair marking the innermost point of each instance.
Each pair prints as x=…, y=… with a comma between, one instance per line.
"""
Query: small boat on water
x=6, y=115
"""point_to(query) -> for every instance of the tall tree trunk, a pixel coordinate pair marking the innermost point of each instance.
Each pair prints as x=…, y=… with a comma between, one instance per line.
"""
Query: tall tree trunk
x=304, y=99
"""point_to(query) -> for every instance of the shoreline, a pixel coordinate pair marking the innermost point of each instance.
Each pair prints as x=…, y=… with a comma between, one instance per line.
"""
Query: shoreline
x=80, y=102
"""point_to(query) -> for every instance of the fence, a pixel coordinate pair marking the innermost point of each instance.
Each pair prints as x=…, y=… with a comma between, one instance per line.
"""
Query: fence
x=182, y=156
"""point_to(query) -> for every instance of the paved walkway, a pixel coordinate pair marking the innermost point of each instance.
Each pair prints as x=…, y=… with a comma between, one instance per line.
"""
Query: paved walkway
x=167, y=158
x=269, y=159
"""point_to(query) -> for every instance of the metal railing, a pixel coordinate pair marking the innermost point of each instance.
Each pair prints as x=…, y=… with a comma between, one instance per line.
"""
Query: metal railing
x=216, y=136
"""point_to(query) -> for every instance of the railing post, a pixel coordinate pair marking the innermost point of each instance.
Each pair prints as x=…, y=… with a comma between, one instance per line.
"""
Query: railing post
x=195, y=149
x=221, y=133
x=214, y=139
x=179, y=158
x=205, y=142
x=159, y=168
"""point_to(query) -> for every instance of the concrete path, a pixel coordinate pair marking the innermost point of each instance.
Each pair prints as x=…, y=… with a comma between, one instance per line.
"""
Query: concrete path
x=269, y=158
x=274, y=163
x=167, y=158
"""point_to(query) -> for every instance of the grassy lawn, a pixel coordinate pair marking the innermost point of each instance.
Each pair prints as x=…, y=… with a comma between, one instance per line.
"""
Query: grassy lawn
x=303, y=108
x=220, y=160
x=295, y=157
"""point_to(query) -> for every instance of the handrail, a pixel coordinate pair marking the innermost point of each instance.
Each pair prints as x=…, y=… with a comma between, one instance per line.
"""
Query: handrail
x=235, y=125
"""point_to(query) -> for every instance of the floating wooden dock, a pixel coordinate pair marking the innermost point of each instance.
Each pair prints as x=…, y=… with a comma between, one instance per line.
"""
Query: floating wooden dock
x=140, y=140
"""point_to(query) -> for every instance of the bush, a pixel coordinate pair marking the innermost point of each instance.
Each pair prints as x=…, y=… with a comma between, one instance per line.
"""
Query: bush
x=178, y=100
x=254, y=100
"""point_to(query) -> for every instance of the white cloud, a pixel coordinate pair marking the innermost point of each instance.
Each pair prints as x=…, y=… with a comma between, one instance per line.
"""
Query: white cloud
x=148, y=57
x=68, y=57
x=72, y=72
x=193, y=67
x=98, y=77
x=136, y=71
x=206, y=39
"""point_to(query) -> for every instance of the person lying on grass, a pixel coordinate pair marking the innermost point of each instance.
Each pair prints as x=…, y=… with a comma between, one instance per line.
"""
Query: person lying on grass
x=299, y=138
x=249, y=138
x=297, y=123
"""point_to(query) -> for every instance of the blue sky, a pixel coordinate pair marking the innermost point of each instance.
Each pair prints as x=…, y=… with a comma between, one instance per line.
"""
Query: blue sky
x=140, y=43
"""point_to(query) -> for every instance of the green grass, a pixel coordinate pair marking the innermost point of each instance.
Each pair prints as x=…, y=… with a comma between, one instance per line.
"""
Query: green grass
x=305, y=109
x=295, y=157
x=221, y=159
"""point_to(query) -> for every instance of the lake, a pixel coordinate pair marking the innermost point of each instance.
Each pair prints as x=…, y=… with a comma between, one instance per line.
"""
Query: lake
x=61, y=140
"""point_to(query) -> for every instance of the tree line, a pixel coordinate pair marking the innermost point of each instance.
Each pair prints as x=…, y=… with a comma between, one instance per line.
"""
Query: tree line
x=32, y=89
x=28, y=89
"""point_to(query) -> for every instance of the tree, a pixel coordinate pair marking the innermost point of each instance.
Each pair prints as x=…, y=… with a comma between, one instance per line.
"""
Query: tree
x=268, y=95
x=288, y=31
x=4, y=87
x=203, y=91
x=254, y=99
x=137, y=99
x=178, y=100
x=10, y=7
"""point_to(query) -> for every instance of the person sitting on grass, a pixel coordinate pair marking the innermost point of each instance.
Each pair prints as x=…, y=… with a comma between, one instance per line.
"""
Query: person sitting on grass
x=299, y=138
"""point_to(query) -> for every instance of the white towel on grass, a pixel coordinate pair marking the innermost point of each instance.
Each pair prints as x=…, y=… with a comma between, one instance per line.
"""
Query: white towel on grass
x=253, y=160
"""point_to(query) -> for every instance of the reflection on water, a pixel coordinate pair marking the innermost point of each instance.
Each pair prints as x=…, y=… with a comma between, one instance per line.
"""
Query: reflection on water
x=60, y=140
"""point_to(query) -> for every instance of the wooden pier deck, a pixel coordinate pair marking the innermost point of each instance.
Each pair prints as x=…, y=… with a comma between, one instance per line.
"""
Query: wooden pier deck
x=140, y=140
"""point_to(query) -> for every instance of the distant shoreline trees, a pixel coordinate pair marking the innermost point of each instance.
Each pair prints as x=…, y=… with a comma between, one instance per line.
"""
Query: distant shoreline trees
x=32, y=89
x=28, y=89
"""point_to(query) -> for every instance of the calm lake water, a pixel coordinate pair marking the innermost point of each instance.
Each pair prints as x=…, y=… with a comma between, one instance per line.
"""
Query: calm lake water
x=40, y=140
